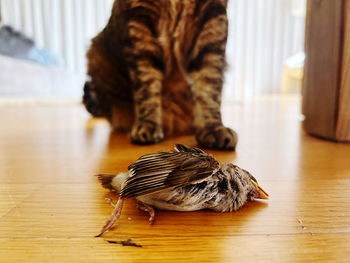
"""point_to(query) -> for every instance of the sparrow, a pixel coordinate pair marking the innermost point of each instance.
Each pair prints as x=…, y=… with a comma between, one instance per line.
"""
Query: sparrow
x=185, y=179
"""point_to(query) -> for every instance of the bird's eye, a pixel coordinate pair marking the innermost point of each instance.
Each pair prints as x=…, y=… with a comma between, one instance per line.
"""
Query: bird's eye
x=253, y=178
x=251, y=195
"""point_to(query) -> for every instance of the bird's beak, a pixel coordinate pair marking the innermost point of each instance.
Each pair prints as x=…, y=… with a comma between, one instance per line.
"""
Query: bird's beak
x=262, y=193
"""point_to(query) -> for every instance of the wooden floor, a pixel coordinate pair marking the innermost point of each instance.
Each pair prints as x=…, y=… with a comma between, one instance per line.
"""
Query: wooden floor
x=51, y=205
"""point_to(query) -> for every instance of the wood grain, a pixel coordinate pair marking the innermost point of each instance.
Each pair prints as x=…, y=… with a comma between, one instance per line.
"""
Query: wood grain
x=51, y=204
x=323, y=48
x=343, y=121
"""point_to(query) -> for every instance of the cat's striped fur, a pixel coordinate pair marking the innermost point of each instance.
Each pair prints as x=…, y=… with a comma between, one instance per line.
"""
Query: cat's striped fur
x=157, y=67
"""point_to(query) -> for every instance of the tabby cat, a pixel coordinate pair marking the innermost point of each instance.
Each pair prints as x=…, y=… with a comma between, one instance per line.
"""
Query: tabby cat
x=157, y=68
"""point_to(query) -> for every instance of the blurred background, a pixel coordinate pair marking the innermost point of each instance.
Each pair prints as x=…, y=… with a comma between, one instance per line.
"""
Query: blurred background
x=43, y=45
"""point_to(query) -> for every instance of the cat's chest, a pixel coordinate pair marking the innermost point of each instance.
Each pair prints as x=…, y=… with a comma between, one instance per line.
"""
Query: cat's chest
x=176, y=15
x=176, y=29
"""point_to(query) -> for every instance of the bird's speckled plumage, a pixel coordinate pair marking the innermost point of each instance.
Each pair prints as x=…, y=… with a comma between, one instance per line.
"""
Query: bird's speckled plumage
x=186, y=179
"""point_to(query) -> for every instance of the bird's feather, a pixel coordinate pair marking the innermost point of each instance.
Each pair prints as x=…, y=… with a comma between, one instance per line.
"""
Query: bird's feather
x=159, y=171
x=184, y=148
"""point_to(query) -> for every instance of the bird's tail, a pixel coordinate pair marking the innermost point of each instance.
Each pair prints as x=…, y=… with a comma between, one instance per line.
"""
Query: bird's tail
x=113, y=182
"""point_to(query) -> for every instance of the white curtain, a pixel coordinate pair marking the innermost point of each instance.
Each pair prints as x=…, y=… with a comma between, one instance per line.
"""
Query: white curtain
x=62, y=26
x=263, y=33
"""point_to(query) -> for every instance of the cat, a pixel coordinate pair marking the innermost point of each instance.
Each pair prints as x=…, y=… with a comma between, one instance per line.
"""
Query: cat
x=157, y=68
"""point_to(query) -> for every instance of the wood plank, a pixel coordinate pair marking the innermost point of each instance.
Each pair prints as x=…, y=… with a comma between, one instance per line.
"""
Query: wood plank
x=323, y=50
x=52, y=205
x=79, y=211
x=265, y=248
x=343, y=122
x=12, y=195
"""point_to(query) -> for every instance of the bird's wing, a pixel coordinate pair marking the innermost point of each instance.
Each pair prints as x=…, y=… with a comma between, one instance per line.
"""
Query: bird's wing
x=159, y=171
x=184, y=148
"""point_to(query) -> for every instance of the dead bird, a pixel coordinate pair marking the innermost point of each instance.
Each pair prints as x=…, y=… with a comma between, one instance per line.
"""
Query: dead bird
x=186, y=179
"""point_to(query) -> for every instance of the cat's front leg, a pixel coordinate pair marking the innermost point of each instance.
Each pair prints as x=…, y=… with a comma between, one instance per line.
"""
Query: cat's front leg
x=206, y=68
x=144, y=56
x=147, y=127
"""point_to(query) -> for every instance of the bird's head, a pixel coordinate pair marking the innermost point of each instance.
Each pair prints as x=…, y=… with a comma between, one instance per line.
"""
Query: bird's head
x=254, y=190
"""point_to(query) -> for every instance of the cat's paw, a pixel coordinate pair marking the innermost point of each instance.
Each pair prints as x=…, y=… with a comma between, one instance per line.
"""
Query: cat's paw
x=146, y=133
x=220, y=137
